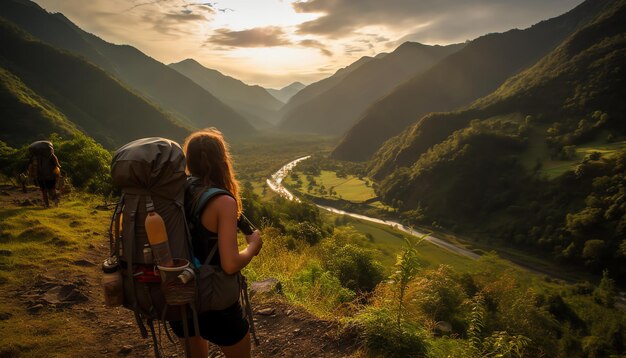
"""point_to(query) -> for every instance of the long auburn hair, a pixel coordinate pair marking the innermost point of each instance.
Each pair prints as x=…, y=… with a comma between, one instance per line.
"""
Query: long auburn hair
x=208, y=159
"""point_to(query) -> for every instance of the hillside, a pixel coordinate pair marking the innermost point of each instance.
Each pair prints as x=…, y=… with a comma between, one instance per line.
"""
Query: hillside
x=488, y=170
x=473, y=72
x=47, y=90
x=315, y=89
x=335, y=110
x=284, y=94
x=74, y=238
x=253, y=102
x=185, y=100
x=26, y=116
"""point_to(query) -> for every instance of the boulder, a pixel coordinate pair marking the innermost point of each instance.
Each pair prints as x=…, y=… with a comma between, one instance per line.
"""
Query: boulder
x=267, y=286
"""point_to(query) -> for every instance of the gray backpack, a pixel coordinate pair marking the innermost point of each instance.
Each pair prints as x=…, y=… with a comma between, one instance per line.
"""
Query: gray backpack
x=41, y=153
x=151, y=175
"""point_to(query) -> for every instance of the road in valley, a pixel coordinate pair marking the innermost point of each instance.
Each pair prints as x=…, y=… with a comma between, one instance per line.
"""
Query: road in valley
x=275, y=184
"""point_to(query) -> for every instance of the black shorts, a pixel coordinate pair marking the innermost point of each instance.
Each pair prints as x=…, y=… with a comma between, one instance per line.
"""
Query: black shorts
x=224, y=328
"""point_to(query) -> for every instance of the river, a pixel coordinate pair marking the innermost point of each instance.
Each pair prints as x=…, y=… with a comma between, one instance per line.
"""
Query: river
x=275, y=184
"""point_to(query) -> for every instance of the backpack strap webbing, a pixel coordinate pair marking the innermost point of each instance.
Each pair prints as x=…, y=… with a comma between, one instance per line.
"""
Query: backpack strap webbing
x=248, y=307
x=155, y=343
x=133, y=205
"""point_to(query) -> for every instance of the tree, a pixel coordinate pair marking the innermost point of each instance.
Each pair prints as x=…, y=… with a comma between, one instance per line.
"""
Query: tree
x=606, y=292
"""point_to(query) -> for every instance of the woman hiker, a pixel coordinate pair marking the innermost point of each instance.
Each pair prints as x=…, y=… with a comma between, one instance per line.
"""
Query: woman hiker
x=210, y=166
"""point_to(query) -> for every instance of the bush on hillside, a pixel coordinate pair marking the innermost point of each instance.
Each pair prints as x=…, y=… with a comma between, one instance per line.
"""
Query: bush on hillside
x=85, y=162
x=355, y=267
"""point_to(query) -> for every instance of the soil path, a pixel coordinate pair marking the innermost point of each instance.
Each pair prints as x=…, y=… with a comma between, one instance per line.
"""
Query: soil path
x=283, y=330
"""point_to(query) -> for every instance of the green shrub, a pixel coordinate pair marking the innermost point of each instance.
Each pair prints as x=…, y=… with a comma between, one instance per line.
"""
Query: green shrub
x=355, y=267
x=381, y=334
x=85, y=162
x=305, y=231
x=318, y=287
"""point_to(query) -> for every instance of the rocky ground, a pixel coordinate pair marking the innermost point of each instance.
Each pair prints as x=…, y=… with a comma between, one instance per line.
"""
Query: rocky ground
x=283, y=330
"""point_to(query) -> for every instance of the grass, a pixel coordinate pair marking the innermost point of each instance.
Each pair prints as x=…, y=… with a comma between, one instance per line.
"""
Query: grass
x=539, y=152
x=46, y=242
x=389, y=242
x=554, y=168
x=350, y=188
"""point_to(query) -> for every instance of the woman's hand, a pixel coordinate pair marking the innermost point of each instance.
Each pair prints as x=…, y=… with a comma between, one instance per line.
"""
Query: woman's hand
x=255, y=242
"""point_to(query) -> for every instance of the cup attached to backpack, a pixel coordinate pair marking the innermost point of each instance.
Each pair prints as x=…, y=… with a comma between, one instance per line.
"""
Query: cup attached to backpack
x=178, y=282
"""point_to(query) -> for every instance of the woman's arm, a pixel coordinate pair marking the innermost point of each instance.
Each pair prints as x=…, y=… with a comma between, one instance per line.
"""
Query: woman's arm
x=220, y=215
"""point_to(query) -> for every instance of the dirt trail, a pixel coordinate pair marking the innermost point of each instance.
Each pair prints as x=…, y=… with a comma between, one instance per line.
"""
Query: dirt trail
x=283, y=330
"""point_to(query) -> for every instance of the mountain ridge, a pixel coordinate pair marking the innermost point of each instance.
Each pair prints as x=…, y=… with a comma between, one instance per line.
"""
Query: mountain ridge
x=337, y=108
x=185, y=100
x=472, y=72
x=76, y=91
x=253, y=102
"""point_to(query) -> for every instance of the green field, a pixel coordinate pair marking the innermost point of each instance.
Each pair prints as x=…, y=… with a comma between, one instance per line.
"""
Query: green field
x=555, y=168
x=329, y=186
x=539, y=152
x=389, y=242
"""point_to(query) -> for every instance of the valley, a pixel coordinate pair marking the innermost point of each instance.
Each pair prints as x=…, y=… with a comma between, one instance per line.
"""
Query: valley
x=461, y=199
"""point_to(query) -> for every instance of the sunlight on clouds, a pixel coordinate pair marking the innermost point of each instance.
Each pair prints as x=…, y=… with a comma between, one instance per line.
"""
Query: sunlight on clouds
x=265, y=41
x=245, y=14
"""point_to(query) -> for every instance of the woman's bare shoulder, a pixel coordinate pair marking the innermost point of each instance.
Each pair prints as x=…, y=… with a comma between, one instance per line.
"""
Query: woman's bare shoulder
x=223, y=203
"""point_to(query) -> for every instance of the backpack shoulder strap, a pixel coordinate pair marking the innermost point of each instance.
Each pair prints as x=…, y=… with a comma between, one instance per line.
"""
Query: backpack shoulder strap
x=203, y=200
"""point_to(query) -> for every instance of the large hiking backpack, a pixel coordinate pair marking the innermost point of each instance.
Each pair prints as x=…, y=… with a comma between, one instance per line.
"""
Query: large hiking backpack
x=41, y=158
x=151, y=174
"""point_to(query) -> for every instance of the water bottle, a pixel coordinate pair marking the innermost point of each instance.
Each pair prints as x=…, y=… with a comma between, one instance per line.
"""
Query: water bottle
x=112, y=283
x=157, y=236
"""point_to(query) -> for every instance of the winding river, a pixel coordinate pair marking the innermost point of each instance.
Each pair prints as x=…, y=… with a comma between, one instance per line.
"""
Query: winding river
x=275, y=184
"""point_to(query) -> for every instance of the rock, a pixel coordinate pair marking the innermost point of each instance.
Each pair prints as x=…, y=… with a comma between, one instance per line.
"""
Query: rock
x=297, y=330
x=83, y=263
x=266, y=311
x=6, y=252
x=267, y=286
x=289, y=312
x=63, y=294
x=124, y=351
x=34, y=309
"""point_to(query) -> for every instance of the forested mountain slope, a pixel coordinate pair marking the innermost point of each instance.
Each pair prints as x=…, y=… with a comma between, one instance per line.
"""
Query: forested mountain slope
x=45, y=90
x=175, y=93
x=315, y=89
x=253, y=102
x=490, y=170
x=473, y=72
x=335, y=110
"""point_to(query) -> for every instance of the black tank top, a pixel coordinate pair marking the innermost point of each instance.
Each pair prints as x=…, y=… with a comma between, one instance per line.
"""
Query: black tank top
x=203, y=240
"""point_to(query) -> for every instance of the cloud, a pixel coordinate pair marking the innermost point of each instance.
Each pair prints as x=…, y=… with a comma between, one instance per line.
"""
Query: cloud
x=316, y=44
x=441, y=20
x=174, y=24
x=269, y=36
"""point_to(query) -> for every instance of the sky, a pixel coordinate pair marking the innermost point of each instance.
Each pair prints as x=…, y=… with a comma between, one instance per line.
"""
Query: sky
x=273, y=43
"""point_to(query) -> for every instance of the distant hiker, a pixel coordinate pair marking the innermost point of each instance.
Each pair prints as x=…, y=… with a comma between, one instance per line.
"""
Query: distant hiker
x=210, y=167
x=45, y=169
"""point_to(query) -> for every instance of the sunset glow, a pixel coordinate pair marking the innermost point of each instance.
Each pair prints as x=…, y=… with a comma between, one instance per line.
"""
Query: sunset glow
x=276, y=42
